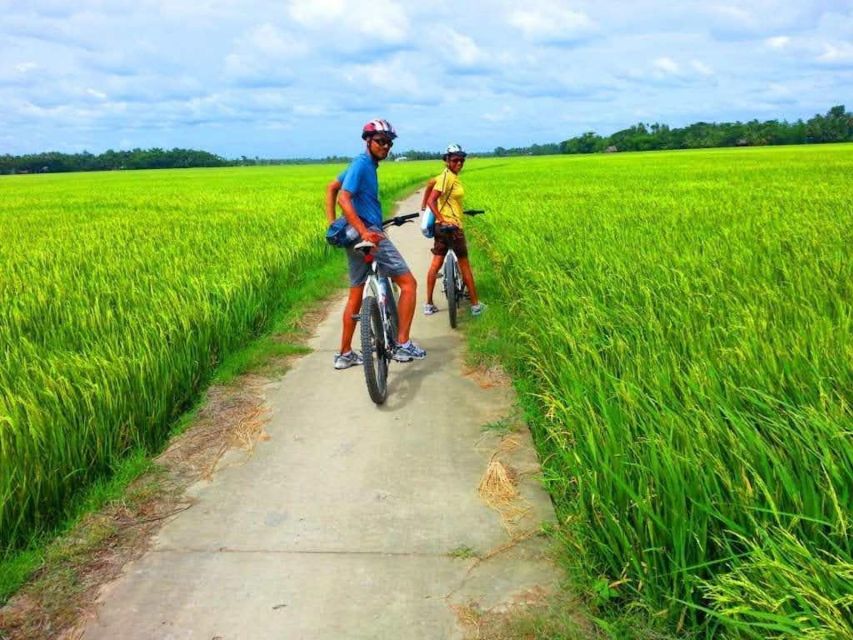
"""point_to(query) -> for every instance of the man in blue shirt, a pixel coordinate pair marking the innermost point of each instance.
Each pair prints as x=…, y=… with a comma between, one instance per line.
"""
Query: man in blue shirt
x=356, y=190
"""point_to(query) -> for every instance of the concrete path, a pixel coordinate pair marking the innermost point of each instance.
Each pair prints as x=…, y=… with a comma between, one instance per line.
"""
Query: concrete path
x=352, y=520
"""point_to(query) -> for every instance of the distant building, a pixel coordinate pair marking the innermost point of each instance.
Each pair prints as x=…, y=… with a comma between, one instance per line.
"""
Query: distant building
x=401, y=159
x=611, y=149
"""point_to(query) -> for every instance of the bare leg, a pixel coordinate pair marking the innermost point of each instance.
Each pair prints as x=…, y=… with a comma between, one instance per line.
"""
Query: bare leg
x=353, y=306
x=432, y=275
x=468, y=278
x=406, y=307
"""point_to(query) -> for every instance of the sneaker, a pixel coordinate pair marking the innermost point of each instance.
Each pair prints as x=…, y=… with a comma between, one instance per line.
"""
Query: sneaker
x=347, y=360
x=477, y=309
x=430, y=309
x=407, y=353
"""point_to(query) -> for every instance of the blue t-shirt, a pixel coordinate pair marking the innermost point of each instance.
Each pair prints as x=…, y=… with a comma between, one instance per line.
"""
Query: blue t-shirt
x=360, y=180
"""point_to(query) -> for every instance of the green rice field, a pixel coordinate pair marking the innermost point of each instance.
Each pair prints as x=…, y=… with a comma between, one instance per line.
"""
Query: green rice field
x=681, y=325
x=678, y=325
x=119, y=294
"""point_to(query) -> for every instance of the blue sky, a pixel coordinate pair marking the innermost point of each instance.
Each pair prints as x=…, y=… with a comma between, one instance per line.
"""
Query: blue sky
x=298, y=78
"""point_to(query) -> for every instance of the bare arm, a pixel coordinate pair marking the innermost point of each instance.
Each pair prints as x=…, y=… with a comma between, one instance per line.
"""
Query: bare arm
x=433, y=204
x=427, y=193
x=331, y=197
x=345, y=202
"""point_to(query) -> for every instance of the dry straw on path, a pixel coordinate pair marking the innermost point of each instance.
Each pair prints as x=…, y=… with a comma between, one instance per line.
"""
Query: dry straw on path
x=499, y=489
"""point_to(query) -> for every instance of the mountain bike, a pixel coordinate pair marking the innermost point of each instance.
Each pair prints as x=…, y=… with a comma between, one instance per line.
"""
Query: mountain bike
x=453, y=285
x=379, y=319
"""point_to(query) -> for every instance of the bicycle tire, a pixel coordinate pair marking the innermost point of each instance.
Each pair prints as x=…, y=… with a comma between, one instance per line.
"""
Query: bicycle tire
x=450, y=290
x=391, y=311
x=374, y=350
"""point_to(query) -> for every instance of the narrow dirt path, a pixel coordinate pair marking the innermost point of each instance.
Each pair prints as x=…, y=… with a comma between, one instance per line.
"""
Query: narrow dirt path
x=351, y=520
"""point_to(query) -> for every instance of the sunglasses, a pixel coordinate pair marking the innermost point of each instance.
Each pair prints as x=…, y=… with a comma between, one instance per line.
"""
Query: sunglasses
x=457, y=160
x=383, y=142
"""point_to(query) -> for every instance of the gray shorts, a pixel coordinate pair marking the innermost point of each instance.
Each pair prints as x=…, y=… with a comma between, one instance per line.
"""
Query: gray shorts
x=390, y=262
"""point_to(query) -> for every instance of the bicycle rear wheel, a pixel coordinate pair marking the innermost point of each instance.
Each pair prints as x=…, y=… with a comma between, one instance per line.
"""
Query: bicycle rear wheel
x=450, y=290
x=374, y=350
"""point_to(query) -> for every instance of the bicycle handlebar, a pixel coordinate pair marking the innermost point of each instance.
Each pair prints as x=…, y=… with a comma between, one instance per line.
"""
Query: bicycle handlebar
x=398, y=220
x=365, y=247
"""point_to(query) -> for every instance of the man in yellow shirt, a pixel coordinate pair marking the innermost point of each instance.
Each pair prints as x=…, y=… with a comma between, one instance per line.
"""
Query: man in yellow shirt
x=443, y=196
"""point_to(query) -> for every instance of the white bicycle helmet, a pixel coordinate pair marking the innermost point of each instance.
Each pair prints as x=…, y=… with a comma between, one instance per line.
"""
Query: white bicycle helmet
x=454, y=150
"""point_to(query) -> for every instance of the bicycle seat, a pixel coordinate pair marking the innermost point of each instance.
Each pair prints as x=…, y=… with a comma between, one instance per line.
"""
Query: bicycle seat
x=364, y=246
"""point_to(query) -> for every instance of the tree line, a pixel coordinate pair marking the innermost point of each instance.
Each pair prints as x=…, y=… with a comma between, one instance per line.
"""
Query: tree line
x=55, y=162
x=835, y=126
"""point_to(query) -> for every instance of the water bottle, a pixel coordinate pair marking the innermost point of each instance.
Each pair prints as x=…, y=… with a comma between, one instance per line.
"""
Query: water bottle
x=352, y=235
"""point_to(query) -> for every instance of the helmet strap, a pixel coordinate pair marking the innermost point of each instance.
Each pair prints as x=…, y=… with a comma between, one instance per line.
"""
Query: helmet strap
x=370, y=151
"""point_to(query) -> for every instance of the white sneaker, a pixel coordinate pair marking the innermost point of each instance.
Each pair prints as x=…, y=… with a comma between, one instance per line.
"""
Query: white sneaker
x=408, y=353
x=347, y=360
x=477, y=309
x=430, y=309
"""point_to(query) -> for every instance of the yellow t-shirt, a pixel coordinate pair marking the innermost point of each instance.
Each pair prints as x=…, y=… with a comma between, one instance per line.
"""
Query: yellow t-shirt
x=449, y=204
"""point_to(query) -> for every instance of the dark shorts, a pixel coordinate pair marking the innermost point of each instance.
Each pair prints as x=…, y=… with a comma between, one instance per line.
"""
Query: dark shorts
x=446, y=237
x=390, y=262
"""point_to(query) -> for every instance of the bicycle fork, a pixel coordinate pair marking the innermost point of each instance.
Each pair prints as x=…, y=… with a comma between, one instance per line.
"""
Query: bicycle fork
x=385, y=297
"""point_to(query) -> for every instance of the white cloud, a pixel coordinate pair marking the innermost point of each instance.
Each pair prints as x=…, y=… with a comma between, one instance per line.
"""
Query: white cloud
x=315, y=13
x=97, y=94
x=763, y=19
x=384, y=21
x=837, y=53
x=269, y=40
x=393, y=77
x=463, y=49
x=25, y=67
x=545, y=20
x=778, y=42
x=736, y=15
x=701, y=68
x=501, y=115
x=264, y=56
x=776, y=90
x=666, y=66
x=311, y=110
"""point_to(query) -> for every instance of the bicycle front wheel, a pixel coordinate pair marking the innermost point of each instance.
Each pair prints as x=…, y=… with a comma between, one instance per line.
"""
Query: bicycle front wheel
x=450, y=289
x=374, y=350
x=391, y=312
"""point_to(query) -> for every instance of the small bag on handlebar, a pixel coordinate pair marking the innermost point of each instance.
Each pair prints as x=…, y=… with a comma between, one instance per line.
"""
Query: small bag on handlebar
x=341, y=234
